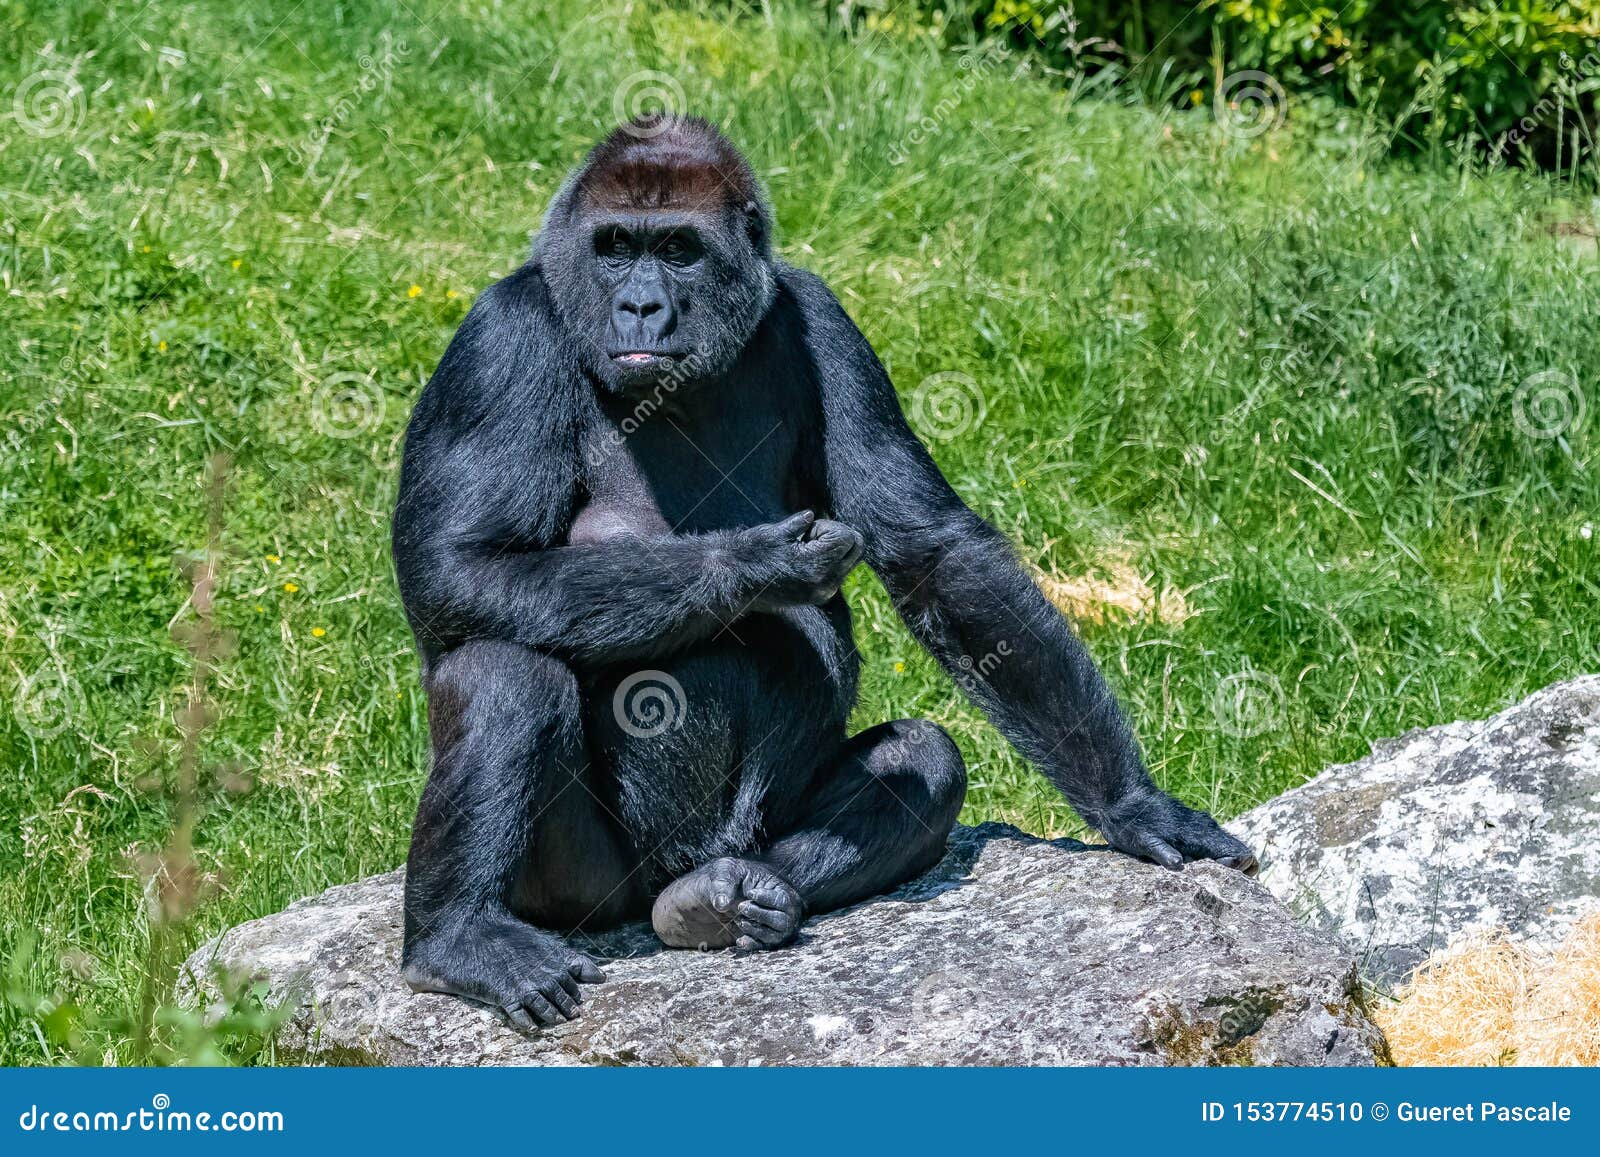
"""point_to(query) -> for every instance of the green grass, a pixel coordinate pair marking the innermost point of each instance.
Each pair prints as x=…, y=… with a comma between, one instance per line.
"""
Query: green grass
x=1275, y=374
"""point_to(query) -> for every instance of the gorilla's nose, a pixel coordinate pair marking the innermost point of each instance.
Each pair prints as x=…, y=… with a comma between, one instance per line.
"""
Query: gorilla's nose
x=641, y=306
x=642, y=314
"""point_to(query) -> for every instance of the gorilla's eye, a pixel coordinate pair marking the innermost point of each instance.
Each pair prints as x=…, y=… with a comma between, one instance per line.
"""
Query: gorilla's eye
x=613, y=246
x=678, y=249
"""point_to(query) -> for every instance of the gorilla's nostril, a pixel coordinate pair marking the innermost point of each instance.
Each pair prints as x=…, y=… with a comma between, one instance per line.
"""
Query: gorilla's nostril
x=640, y=309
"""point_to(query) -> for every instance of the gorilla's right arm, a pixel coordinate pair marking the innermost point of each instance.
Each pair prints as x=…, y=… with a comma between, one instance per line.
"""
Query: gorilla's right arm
x=488, y=488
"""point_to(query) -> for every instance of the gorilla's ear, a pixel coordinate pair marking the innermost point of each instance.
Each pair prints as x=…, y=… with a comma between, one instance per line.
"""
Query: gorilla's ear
x=758, y=228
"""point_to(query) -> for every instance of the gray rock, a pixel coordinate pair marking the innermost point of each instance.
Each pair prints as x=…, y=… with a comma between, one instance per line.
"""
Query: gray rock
x=1013, y=950
x=1446, y=831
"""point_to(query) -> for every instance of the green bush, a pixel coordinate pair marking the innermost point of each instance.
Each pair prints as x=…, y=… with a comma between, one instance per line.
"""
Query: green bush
x=1514, y=74
x=1517, y=78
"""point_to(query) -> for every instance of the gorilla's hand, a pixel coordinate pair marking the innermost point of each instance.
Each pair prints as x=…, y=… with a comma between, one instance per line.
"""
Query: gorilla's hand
x=805, y=559
x=526, y=976
x=1154, y=826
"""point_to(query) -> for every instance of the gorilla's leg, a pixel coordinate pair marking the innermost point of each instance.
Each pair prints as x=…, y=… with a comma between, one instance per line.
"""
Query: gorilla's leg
x=508, y=831
x=878, y=817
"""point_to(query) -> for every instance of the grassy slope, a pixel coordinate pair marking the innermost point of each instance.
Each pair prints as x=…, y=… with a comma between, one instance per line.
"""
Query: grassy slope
x=1271, y=374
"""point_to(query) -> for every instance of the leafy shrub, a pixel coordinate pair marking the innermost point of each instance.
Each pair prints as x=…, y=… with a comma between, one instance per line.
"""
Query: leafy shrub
x=1518, y=79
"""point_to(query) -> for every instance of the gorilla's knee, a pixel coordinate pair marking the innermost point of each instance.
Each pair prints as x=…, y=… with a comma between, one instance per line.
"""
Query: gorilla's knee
x=500, y=684
x=923, y=749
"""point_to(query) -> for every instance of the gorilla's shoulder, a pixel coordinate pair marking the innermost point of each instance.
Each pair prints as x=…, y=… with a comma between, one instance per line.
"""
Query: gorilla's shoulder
x=802, y=287
x=523, y=290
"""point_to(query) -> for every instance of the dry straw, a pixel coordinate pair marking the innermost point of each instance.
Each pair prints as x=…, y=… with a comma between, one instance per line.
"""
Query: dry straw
x=1491, y=1000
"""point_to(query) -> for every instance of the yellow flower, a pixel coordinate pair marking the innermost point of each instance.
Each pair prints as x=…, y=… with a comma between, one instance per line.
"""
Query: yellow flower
x=274, y=559
x=414, y=291
x=899, y=668
x=317, y=632
x=290, y=587
x=451, y=294
x=261, y=610
x=146, y=249
x=1196, y=96
x=1019, y=483
x=236, y=262
x=162, y=346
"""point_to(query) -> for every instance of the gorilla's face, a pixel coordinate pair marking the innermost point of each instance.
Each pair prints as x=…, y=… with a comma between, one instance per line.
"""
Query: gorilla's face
x=665, y=297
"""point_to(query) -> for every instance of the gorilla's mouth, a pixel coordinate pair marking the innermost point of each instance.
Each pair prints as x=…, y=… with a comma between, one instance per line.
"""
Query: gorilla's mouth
x=637, y=360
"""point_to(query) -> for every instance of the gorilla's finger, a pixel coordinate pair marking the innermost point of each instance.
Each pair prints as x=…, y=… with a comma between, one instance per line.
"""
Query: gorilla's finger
x=569, y=985
x=543, y=1011
x=797, y=526
x=773, y=896
x=563, y=1001
x=746, y=944
x=1161, y=852
x=586, y=970
x=761, y=934
x=1247, y=863
x=519, y=1018
x=776, y=920
x=1210, y=842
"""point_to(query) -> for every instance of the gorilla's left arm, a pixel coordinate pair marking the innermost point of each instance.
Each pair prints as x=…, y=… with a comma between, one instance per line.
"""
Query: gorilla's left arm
x=962, y=593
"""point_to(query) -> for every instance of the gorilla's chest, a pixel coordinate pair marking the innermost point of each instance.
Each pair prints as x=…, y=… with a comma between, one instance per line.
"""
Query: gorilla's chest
x=681, y=470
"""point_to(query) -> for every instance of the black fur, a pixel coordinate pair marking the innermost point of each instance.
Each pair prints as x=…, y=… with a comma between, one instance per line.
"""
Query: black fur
x=652, y=454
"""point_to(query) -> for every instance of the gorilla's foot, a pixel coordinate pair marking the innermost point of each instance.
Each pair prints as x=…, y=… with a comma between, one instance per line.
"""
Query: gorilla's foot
x=728, y=902
x=527, y=976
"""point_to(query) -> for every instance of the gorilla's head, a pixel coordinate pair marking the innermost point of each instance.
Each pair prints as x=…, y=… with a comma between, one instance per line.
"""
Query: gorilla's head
x=658, y=254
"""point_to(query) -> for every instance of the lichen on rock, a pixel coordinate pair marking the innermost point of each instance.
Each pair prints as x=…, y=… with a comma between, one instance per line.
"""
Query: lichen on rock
x=1449, y=832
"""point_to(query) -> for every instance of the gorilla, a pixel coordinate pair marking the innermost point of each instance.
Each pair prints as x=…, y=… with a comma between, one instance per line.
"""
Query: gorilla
x=630, y=493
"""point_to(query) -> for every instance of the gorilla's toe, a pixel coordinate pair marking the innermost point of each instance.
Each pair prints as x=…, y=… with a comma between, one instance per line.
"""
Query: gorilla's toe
x=728, y=903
